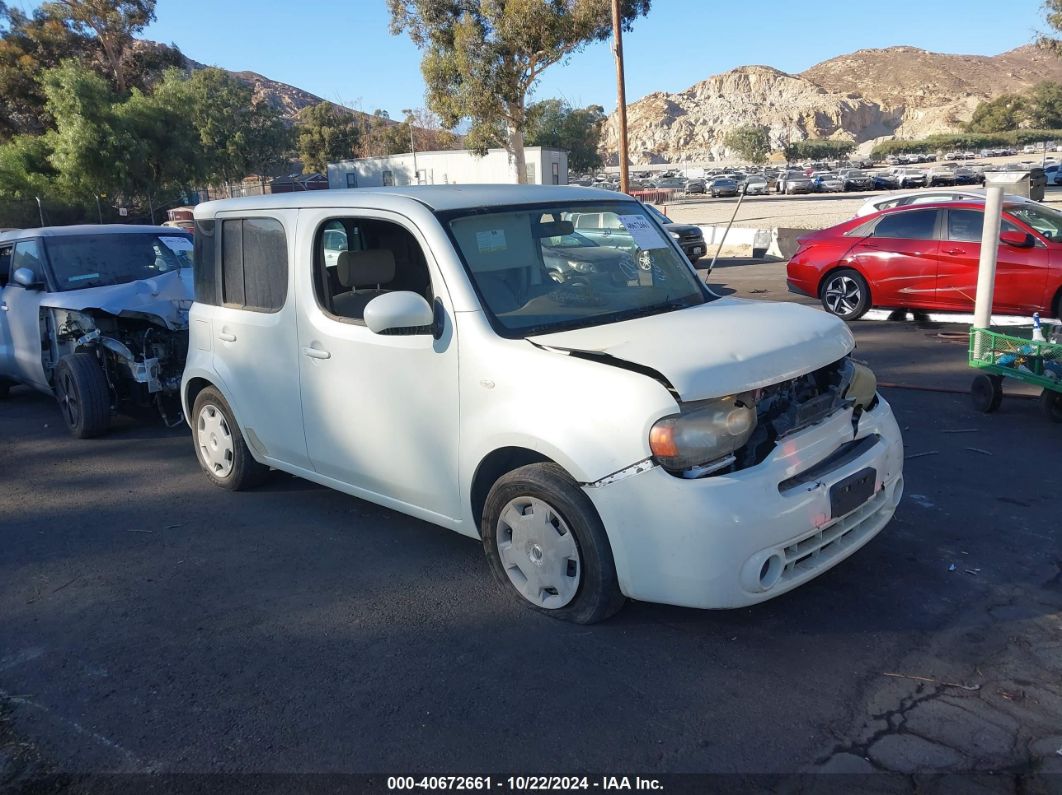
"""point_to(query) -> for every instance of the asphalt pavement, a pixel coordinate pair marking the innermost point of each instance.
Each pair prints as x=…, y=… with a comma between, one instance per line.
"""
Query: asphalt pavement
x=150, y=623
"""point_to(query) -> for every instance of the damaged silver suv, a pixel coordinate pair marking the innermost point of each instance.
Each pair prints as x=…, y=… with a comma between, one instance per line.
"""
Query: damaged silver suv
x=98, y=317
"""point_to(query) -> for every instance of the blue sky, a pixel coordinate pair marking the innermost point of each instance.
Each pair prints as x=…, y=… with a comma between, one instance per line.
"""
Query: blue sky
x=341, y=49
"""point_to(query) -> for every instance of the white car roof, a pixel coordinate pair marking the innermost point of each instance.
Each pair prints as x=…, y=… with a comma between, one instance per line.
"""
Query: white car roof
x=435, y=197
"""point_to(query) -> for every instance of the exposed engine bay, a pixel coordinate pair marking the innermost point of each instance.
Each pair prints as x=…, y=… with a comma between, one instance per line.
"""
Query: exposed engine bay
x=790, y=406
x=142, y=355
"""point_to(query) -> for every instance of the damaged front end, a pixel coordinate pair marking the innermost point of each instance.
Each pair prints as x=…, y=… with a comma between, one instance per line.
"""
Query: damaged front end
x=736, y=432
x=142, y=354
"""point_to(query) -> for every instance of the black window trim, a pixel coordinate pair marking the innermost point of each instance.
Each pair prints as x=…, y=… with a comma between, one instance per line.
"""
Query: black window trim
x=1006, y=217
x=366, y=214
x=219, y=266
x=938, y=224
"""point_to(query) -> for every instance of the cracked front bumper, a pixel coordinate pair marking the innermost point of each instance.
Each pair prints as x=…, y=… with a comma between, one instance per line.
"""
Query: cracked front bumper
x=735, y=540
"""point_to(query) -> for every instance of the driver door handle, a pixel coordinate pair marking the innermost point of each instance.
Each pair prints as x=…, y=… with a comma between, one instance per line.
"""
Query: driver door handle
x=953, y=251
x=316, y=353
x=226, y=336
x=3, y=306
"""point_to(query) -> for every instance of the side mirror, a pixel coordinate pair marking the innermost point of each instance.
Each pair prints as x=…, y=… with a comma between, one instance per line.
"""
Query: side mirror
x=398, y=310
x=1010, y=237
x=25, y=278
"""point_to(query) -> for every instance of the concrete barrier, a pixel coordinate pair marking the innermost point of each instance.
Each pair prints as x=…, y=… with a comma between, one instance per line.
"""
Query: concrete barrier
x=784, y=242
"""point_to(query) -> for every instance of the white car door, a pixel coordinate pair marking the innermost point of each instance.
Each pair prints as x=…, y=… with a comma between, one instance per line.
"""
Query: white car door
x=21, y=307
x=256, y=347
x=380, y=410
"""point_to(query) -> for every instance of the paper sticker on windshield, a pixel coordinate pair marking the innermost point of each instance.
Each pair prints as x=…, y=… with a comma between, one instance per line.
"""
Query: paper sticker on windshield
x=490, y=240
x=177, y=244
x=645, y=235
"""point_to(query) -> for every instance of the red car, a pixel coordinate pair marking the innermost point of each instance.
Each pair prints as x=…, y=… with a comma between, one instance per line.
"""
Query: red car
x=925, y=256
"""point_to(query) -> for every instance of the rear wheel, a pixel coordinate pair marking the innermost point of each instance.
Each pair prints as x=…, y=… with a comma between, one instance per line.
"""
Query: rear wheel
x=845, y=293
x=547, y=547
x=83, y=395
x=986, y=392
x=1051, y=405
x=219, y=444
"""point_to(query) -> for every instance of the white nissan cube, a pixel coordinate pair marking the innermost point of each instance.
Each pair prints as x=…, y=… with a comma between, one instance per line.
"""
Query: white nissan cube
x=578, y=401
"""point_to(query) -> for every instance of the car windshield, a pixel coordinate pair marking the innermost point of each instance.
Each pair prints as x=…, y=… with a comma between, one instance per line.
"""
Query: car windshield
x=529, y=286
x=855, y=174
x=1045, y=220
x=80, y=261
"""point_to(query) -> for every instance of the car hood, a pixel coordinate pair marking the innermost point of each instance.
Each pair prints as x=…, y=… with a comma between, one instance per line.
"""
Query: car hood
x=163, y=299
x=684, y=229
x=720, y=348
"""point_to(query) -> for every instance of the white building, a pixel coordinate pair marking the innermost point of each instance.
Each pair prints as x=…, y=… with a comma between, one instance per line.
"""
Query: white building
x=545, y=166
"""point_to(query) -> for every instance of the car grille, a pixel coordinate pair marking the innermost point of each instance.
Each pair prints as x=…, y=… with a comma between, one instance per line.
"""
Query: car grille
x=692, y=235
x=822, y=546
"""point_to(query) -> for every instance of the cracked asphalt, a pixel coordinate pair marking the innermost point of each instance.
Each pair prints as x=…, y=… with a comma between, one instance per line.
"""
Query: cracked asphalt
x=150, y=623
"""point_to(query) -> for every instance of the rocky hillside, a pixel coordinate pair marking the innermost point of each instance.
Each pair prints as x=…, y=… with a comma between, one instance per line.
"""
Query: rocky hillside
x=863, y=96
x=287, y=98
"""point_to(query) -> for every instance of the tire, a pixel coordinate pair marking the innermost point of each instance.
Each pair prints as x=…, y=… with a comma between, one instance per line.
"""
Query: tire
x=219, y=444
x=566, y=553
x=83, y=395
x=986, y=392
x=845, y=293
x=1051, y=405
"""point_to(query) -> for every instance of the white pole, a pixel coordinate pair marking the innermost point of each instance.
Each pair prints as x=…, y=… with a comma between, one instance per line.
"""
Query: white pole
x=986, y=273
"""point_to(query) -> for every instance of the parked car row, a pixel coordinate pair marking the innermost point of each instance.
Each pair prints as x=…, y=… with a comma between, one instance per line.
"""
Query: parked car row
x=407, y=346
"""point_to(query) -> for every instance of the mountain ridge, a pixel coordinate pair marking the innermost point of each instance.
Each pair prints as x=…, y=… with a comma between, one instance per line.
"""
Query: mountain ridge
x=862, y=96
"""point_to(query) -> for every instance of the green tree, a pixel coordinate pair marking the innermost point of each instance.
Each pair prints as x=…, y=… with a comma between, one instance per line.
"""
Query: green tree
x=1005, y=112
x=160, y=147
x=325, y=134
x=1044, y=105
x=111, y=23
x=86, y=144
x=752, y=142
x=1052, y=10
x=482, y=58
x=29, y=46
x=555, y=123
x=25, y=167
x=819, y=149
x=237, y=135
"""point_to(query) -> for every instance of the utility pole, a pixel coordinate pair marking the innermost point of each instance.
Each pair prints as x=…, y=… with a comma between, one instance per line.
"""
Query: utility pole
x=621, y=97
x=412, y=146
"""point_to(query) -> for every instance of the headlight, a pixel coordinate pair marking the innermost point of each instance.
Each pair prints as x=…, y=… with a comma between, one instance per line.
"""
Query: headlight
x=581, y=265
x=704, y=432
x=864, y=386
x=675, y=235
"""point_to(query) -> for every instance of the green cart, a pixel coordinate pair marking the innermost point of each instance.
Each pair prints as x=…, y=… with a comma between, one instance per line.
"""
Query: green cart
x=1000, y=356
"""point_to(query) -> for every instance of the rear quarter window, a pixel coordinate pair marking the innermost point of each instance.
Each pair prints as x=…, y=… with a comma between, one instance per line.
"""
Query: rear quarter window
x=204, y=265
x=910, y=225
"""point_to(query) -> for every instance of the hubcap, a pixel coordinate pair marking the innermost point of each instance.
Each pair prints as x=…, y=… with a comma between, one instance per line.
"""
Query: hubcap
x=68, y=400
x=842, y=295
x=539, y=553
x=215, y=441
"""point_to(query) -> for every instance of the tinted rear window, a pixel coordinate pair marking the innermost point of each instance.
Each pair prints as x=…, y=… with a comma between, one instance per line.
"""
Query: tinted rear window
x=913, y=225
x=205, y=263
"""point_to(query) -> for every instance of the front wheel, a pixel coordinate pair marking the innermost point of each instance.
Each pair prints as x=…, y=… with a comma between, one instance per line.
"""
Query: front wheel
x=845, y=293
x=83, y=395
x=219, y=444
x=547, y=547
x=986, y=392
